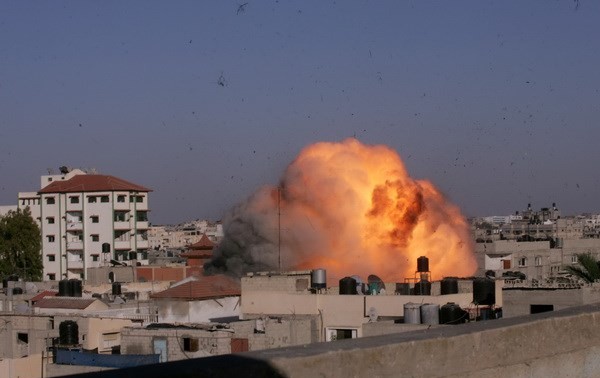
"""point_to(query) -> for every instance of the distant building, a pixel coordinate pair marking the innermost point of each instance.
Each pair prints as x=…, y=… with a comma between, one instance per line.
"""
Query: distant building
x=87, y=220
x=184, y=235
x=540, y=245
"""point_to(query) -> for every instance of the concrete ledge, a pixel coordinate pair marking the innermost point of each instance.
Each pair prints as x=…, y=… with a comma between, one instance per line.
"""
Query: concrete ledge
x=564, y=343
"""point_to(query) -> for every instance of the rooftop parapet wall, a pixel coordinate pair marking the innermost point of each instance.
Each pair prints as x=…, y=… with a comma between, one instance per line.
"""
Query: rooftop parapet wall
x=562, y=343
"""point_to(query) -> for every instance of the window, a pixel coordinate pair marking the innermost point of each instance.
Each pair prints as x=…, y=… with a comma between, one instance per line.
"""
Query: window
x=51, y=276
x=74, y=199
x=536, y=309
x=120, y=216
x=50, y=201
x=574, y=259
x=104, y=199
x=141, y=216
x=538, y=261
x=190, y=344
x=23, y=337
x=95, y=218
x=95, y=237
x=136, y=199
x=50, y=238
x=95, y=257
x=91, y=199
x=51, y=258
x=121, y=198
x=50, y=220
x=523, y=261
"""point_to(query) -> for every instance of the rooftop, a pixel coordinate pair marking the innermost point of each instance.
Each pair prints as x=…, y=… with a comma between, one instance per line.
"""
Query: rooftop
x=92, y=183
x=71, y=303
x=203, y=287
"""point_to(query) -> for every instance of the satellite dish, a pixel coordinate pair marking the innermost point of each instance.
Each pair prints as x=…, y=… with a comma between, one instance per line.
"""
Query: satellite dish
x=375, y=284
x=373, y=315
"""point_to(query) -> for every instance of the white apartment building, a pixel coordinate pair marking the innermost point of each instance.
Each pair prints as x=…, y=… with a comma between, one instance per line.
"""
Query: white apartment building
x=87, y=220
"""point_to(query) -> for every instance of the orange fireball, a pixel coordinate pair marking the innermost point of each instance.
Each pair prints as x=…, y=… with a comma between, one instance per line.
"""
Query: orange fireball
x=352, y=209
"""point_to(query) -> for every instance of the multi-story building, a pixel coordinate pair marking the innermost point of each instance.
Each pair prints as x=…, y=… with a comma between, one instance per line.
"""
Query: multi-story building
x=87, y=220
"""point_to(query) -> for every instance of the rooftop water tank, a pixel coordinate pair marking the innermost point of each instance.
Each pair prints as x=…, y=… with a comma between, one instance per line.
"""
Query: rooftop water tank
x=64, y=288
x=422, y=287
x=318, y=278
x=75, y=287
x=68, y=333
x=412, y=313
x=451, y=313
x=430, y=313
x=348, y=286
x=422, y=264
x=402, y=288
x=484, y=291
x=449, y=286
x=116, y=288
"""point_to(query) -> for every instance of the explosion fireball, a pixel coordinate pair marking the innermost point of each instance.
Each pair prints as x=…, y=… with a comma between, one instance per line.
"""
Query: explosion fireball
x=350, y=208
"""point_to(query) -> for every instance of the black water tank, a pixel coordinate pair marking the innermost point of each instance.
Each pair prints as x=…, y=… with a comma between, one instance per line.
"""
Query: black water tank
x=64, y=288
x=17, y=291
x=422, y=264
x=348, y=286
x=449, y=286
x=484, y=291
x=422, y=287
x=68, y=332
x=451, y=313
x=75, y=287
x=12, y=277
x=403, y=288
x=116, y=288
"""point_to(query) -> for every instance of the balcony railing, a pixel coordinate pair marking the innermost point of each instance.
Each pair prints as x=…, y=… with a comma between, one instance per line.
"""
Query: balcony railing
x=74, y=264
x=122, y=244
x=72, y=225
x=122, y=225
x=75, y=245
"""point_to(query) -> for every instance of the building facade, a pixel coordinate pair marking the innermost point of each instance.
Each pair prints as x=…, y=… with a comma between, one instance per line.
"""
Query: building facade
x=87, y=220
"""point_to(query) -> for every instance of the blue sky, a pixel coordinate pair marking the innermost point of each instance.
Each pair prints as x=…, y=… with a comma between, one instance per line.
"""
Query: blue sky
x=496, y=102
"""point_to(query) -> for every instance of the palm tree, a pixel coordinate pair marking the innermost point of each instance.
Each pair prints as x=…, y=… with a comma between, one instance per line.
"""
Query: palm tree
x=588, y=269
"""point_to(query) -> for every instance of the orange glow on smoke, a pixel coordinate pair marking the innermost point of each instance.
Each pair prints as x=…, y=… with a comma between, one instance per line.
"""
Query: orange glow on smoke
x=352, y=209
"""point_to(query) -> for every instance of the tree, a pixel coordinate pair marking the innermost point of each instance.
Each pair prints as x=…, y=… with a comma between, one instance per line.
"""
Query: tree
x=588, y=269
x=20, y=245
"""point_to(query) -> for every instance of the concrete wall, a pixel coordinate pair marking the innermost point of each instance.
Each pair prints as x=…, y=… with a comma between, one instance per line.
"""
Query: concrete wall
x=277, y=333
x=29, y=366
x=543, y=345
x=99, y=275
x=181, y=311
x=518, y=301
x=555, y=344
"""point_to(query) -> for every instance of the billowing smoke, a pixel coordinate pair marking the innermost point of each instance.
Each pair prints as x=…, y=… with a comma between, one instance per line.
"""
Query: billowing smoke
x=349, y=208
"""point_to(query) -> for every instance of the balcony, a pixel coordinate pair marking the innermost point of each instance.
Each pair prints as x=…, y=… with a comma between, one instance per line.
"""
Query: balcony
x=122, y=225
x=74, y=226
x=75, y=264
x=75, y=245
x=122, y=206
x=142, y=244
x=142, y=225
x=122, y=244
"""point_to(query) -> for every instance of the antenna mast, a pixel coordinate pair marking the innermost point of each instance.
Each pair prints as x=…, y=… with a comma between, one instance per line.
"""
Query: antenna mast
x=279, y=224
